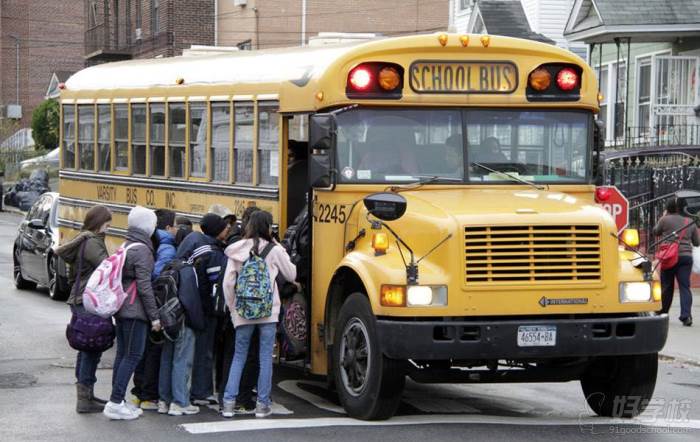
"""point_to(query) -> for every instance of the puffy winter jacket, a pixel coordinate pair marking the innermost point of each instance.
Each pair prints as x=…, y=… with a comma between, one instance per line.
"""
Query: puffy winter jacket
x=93, y=250
x=166, y=251
x=139, y=267
x=188, y=293
x=209, y=266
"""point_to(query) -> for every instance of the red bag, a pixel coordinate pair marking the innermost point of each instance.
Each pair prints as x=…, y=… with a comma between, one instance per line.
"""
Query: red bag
x=667, y=253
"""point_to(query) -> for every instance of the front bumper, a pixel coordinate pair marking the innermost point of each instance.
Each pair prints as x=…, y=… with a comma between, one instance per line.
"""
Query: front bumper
x=441, y=340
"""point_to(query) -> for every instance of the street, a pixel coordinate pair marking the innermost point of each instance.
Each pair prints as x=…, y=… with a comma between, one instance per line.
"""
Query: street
x=38, y=396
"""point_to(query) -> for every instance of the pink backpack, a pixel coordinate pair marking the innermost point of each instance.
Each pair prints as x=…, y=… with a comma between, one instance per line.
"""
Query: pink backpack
x=104, y=294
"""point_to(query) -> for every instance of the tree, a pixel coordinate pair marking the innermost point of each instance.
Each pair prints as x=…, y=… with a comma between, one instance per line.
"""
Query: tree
x=45, y=125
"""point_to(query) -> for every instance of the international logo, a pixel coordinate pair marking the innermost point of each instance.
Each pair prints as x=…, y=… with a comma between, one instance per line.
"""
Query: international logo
x=544, y=301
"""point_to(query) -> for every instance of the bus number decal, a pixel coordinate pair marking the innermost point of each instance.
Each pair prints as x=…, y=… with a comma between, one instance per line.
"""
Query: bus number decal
x=132, y=195
x=330, y=213
x=150, y=197
x=170, y=200
x=106, y=193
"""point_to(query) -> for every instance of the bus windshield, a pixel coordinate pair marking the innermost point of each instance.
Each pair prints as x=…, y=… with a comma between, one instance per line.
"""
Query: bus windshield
x=470, y=146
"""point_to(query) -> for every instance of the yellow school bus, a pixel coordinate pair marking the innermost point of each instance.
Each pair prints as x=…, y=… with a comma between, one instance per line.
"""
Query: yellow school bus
x=454, y=231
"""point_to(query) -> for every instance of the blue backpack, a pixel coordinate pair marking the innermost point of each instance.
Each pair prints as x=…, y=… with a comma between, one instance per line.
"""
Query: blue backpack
x=254, y=296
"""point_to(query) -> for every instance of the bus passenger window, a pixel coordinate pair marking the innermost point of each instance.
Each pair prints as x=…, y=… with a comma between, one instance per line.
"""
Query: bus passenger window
x=198, y=140
x=268, y=142
x=243, y=143
x=121, y=136
x=104, y=138
x=176, y=139
x=157, y=139
x=220, y=141
x=138, y=139
x=69, y=136
x=86, y=136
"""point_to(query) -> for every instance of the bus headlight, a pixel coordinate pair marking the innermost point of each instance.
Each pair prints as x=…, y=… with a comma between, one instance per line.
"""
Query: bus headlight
x=423, y=295
x=635, y=292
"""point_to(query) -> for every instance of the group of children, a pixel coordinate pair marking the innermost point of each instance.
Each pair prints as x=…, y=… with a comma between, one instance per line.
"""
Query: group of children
x=176, y=374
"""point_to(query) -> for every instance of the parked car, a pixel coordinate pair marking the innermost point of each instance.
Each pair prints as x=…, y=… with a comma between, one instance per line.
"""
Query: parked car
x=34, y=260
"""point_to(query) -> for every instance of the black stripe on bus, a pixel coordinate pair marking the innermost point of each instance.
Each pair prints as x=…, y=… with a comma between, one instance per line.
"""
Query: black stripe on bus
x=212, y=188
x=116, y=208
x=113, y=231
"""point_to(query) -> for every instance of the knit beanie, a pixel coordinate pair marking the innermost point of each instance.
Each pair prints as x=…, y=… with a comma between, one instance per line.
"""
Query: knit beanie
x=143, y=219
x=212, y=224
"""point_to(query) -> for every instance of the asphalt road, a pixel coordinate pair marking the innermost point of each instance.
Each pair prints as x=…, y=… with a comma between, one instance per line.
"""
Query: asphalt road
x=37, y=397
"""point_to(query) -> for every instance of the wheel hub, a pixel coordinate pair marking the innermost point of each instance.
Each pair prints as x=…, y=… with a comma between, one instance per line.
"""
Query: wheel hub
x=355, y=357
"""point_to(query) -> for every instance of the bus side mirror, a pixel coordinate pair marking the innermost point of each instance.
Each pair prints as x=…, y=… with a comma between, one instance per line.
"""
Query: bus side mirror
x=321, y=144
x=689, y=202
x=386, y=206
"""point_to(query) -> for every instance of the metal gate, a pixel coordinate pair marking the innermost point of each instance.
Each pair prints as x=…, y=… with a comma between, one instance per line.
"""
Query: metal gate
x=675, y=88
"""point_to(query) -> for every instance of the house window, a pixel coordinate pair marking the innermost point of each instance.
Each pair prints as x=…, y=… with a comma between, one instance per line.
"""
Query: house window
x=155, y=19
x=92, y=14
x=465, y=4
x=643, y=96
x=603, y=85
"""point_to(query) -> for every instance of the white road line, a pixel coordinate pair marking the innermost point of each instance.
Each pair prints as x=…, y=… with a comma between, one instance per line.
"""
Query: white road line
x=292, y=387
x=586, y=424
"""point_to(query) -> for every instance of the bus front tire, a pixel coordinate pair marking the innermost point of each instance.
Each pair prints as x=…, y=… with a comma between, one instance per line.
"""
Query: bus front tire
x=620, y=386
x=369, y=384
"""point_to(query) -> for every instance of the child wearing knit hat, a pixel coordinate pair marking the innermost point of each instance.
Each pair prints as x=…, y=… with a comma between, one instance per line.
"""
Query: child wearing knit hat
x=143, y=219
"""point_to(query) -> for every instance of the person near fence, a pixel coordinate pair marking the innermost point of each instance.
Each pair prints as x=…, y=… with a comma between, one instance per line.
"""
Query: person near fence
x=84, y=253
x=673, y=221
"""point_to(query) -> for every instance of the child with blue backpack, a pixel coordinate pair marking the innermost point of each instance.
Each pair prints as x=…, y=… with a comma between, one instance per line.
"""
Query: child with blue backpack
x=253, y=299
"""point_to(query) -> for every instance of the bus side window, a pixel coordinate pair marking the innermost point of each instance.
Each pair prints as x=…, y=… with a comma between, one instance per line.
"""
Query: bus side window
x=243, y=142
x=86, y=136
x=138, y=139
x=176, y=139
x=68, y=136
x=198, y=139
x=268, y=144
x=121, y=136
x=104, y=138
x=220, y=141
x=157, y=139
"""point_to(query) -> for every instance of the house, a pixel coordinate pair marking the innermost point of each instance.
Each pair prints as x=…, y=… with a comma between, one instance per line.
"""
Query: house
x=646, y=54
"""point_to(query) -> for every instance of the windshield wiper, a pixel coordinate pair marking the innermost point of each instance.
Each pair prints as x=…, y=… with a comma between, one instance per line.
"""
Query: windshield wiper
x=511, y=177
x=424, y=179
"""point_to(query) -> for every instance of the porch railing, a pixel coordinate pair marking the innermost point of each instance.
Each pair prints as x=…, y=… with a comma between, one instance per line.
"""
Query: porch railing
x=661, y=135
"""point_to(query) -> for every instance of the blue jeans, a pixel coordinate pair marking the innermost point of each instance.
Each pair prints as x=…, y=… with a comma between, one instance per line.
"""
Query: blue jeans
x=681, y=273
x=267, y=342
x=87, y=361
x=175, y=367
x=203, y=368
x=131, y=342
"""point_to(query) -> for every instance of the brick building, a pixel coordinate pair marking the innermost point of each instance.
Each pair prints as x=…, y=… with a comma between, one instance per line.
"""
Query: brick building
x=49, y=35
x=251, y=24
x=126, y=29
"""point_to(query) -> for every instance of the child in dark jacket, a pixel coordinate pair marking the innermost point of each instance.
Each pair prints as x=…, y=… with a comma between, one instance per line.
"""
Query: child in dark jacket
x=208, y=244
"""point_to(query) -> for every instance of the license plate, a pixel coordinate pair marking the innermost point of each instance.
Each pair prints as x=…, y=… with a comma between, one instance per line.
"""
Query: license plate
x=537, y=336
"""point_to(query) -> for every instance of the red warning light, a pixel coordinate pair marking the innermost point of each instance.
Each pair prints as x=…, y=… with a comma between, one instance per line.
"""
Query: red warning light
x=360, y=78
x=567, y=79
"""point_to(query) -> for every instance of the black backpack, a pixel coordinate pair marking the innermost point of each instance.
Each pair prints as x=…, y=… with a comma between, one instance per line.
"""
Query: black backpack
x=170, y=311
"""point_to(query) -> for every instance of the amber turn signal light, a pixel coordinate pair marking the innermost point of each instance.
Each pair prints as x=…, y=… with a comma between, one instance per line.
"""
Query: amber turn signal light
x=540, y=79
x=631, y=237
x=389, y=79
x=380, y=243
x=393, y=295
x=656, y=291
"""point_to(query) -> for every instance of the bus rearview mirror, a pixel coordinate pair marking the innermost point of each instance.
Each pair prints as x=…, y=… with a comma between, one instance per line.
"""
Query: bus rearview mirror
x=689, y=202
x=386, y=206
x=321, y=144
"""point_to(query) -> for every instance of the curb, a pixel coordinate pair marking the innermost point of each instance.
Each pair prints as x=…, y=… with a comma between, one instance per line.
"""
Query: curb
x=681, y=359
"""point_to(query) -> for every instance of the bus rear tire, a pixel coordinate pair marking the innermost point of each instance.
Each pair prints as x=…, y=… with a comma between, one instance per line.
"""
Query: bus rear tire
x=620, y=386
x=369, y=384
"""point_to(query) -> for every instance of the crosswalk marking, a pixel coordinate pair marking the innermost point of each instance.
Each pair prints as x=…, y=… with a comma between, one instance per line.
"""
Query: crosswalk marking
x=585, y=423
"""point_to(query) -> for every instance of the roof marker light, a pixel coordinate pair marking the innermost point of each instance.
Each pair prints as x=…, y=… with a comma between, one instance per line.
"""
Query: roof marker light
x=485, y=41
x=442, y=38
x=360, y=78
x=464, y=39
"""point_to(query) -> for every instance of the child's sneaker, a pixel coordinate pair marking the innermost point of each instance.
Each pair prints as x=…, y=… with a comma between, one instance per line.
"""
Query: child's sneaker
x=149, y=405
x=227, y=410
x=163, y=407
x=262, y=410
x=244, y=409
x=119, y=411
x=176, y=410
x=136, y=409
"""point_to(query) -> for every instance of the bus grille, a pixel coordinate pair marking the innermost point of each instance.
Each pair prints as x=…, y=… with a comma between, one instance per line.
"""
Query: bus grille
x=532, y=253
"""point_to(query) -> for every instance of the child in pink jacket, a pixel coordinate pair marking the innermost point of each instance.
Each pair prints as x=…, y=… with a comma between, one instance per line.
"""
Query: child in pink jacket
x=258, y=235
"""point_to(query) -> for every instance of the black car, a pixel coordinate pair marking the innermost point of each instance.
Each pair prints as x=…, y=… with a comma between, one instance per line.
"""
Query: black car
x=34, y=260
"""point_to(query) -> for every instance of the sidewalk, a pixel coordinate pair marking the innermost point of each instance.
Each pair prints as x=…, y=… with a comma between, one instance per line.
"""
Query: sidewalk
x=682, y=342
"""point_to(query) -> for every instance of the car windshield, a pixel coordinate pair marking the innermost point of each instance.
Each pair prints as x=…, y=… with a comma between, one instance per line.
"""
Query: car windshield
x=476, y=146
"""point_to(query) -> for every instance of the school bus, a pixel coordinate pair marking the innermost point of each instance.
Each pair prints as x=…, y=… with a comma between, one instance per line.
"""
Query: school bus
x=451, y=185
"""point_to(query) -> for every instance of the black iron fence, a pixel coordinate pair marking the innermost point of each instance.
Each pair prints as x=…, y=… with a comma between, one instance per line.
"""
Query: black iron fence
x=648, y=180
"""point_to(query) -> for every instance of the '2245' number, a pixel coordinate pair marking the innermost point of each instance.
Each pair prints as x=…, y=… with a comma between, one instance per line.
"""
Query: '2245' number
x=327, y=213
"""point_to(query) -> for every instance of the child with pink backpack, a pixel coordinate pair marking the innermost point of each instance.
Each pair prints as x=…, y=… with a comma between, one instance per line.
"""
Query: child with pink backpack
x=137, y=310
